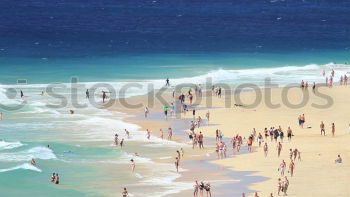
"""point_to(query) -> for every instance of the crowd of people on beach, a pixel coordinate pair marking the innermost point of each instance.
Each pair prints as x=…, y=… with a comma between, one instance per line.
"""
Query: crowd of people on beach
x=267, y=136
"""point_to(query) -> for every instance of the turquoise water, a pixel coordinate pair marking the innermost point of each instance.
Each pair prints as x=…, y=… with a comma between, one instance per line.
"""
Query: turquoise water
x=153, y=66
x=81, y=151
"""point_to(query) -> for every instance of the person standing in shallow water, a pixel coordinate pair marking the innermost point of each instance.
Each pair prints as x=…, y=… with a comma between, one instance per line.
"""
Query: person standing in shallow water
x=125, y=192
x=57, y=179
x=195, y=189
x=177, y=163
x=167, y=82
x=122, y=143
x=87, y=94
x=133, y=165
x=103, y=96
x=52, y=178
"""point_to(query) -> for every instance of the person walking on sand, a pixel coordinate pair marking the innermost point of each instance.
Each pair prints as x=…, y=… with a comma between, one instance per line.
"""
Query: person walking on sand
x=279, y=149
x=285, y=185
x=266, y=149
x=289, y=134
x=295, y=154
x=125, y=192
x=302, y=120
x=282, y=167
x=279, y=186
x=290, y=154
x=291, y=167
x=260, y=139
x=250, y=143
x=333, y=129
x=322, y=128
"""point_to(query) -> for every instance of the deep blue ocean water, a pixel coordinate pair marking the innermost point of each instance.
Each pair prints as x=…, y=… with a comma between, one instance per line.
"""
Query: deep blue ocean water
x=55, y=28
x=56, y=35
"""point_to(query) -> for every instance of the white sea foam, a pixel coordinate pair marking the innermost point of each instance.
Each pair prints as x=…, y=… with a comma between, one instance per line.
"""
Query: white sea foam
x=9, y=145
x=25, y=166
x=168, y=157
x=167, y=184
x=26, y=155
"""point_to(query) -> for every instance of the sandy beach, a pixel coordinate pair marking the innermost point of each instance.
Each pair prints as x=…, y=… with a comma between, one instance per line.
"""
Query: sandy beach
x=316, y=174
